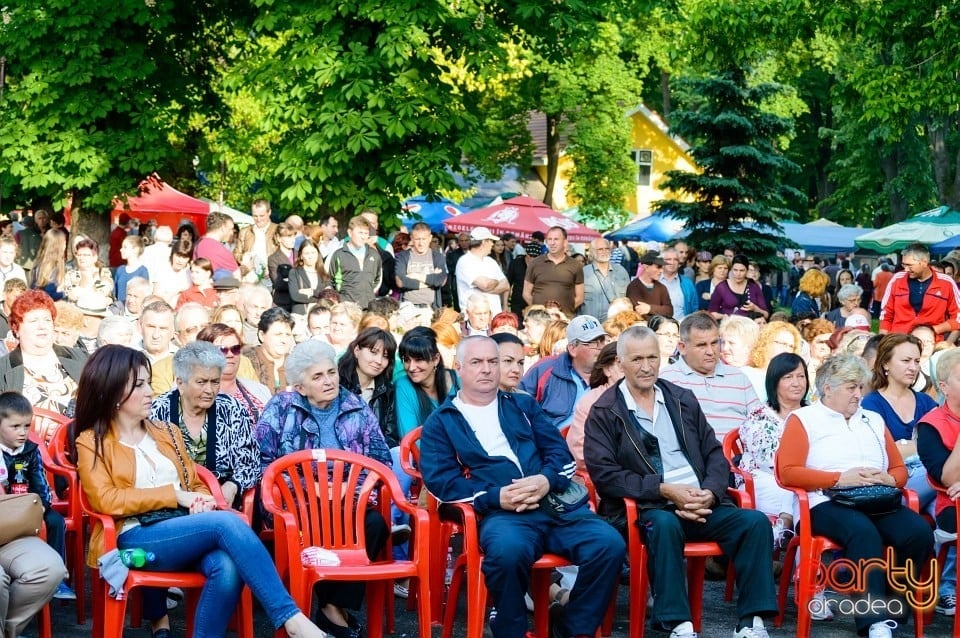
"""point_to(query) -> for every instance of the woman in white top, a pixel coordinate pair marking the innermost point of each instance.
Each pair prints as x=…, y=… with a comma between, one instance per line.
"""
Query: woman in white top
x=130, y=467
x=786, y=390
x=837, y=444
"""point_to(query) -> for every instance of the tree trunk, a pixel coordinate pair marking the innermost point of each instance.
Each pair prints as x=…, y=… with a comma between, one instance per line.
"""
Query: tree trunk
x=890, y=165
x=937, y=142
x=553, y=156
x=94, y=225
x=665, y=96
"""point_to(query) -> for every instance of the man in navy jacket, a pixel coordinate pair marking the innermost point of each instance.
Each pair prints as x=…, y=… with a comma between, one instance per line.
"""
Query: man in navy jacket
x=500, y=452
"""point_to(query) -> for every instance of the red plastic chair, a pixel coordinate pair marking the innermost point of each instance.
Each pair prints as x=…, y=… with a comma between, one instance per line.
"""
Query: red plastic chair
x=945, y=547
x=45, y=423
x=439, y=529
x=696, y=555
x=811, y=549
x=468, y=567
x=57, y=463
x=329, y=512
x=109, y=612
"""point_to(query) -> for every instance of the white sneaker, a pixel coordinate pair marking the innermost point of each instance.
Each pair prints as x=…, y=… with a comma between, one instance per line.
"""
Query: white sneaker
x=819, y=607
x=757, y=630
x=683, y=630
x=882, y=629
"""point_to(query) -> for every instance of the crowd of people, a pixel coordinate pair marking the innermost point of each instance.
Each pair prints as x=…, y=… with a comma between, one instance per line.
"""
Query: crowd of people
x=524, y=363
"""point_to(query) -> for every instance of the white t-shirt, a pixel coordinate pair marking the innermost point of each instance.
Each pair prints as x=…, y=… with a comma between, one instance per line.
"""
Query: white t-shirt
x=469, y=268
x=484, y=420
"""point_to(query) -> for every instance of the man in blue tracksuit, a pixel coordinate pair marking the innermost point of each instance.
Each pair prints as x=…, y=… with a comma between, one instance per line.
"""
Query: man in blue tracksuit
x=500, y=452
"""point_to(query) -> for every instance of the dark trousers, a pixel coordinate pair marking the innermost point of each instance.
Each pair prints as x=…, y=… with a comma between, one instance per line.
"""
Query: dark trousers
x=511, y=542
x=56, y=532
x=744, y=535
x=864, y=537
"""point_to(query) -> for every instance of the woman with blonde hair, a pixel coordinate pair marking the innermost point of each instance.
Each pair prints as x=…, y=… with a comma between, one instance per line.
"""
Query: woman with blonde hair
x=447, y=340
x=67, y=325
x=621, y=321
x=813, y=286
x=719, y=269
x=554, y=332
x=344, y=324
x=738, y=336
x=775, y=338
x=50, y=269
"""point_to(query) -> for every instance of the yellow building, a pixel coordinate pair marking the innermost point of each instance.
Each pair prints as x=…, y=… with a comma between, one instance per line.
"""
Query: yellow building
x=653, y=150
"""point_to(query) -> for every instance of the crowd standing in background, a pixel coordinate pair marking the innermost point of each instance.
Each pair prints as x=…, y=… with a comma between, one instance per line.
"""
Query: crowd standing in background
x=281, y=336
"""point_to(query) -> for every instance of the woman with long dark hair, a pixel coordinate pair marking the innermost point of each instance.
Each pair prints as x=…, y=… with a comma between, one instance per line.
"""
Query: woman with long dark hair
x=130, y=467
x=366, y=369
x=427, y=382
x=308, y=278
x=787, y=385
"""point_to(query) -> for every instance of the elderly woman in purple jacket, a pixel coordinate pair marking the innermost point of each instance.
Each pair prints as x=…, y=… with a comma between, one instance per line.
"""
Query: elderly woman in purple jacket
x=318, y=413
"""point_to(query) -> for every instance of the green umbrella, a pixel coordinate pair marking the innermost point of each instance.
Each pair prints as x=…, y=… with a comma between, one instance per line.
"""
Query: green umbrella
x=929, y=227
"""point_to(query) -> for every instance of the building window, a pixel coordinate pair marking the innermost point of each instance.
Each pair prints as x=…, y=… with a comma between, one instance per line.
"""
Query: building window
x=643, y=160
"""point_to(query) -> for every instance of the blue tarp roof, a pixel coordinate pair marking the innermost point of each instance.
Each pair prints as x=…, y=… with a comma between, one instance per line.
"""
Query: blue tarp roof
x=823, y=239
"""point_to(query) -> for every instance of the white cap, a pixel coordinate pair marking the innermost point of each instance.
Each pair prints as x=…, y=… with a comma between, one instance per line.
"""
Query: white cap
x=480, y=233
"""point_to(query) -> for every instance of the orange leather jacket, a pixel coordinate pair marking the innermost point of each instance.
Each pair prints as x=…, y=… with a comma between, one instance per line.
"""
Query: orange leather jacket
x=108, y=480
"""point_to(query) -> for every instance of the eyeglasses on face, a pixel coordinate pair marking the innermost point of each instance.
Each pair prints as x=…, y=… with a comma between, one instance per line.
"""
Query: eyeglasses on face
x=593, y=345
x=234, y=350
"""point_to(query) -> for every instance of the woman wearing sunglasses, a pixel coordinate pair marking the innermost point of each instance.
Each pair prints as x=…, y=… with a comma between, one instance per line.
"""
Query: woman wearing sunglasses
x=217, y=431
x=239, y=378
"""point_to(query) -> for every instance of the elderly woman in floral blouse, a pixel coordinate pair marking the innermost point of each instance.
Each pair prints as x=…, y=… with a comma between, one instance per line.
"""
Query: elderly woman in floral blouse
x=216, y=429
x=318, y=413
x=787, y=385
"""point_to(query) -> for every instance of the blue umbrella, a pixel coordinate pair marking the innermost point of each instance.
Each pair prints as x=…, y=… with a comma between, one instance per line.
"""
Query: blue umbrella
x=430, y=211
x=657, y=227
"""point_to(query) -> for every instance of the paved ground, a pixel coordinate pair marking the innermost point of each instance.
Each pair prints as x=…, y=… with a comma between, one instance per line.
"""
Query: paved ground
x=719, y=618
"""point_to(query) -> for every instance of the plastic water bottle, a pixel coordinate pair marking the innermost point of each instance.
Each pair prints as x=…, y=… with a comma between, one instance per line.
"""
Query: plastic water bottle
x=448, y=575
x=136, y=557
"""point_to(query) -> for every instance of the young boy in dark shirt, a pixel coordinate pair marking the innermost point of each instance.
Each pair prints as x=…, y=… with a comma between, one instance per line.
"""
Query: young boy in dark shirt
x=22, y=470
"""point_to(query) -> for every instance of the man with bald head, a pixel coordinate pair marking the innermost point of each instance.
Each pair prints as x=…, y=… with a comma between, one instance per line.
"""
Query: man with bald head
x=516, y=457
x=603, y=281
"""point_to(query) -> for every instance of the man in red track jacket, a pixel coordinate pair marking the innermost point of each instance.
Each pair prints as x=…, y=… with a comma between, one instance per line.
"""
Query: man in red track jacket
x=918, y=296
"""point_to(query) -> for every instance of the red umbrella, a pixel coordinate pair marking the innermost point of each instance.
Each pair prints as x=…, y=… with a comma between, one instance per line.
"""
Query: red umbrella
x=521, y=216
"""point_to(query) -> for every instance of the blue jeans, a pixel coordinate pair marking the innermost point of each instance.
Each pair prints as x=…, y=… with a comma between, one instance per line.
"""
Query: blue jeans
x=222, y=547
x=917, y=481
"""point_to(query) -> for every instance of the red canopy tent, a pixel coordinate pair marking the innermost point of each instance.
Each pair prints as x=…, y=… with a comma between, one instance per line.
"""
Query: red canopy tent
x=158, y=200
x=521, y=216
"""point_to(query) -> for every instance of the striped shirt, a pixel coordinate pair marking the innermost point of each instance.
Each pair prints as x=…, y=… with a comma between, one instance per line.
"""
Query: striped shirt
x=726, y=397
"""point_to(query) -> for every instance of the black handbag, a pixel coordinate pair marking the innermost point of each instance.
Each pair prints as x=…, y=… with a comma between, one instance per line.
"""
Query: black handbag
x=556, y=504
x=869, y=499
x=166, y=513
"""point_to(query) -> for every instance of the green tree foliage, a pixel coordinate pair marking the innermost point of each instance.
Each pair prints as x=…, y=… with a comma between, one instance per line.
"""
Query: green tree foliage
x=897, y=81
x=99, y=92
x=588, y=96
x=733, y=141
x=367, y=98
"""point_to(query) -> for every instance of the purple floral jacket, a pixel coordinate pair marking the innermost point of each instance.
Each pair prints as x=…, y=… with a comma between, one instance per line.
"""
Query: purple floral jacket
x=287, y=425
